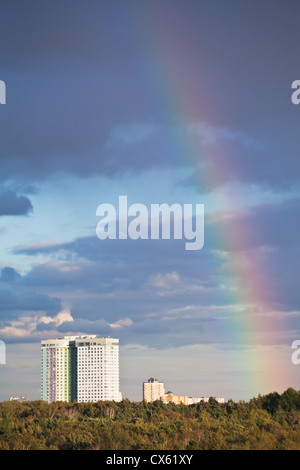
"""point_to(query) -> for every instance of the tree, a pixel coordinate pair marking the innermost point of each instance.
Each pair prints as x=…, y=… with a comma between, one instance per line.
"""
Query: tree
x=271, y=402
x=290, y=399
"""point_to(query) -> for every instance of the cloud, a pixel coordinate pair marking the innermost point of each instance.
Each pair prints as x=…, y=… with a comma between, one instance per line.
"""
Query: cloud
x=12, y=204
x=118, y=268
x=167, y=280
x=86, y=98
x=121, y=323
x=134, y=137
x=103, y=96
x=33, y=327
x=264, y=226
x=98, y=327
x=12, y=303
x=146, y=281
x=9, y=274
x=271, y=225
x=143, y=276
x=129, y=135
x=210, y=135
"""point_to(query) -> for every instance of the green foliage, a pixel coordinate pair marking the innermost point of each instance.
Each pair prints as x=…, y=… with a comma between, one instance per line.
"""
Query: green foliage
x=267, y=422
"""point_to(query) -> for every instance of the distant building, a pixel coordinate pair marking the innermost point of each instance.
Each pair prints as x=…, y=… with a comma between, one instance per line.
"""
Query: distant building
x=192, y=400
x=19, y=399
x=85, y=369
x=177, y=399
x=153, y=390
x=219, y=400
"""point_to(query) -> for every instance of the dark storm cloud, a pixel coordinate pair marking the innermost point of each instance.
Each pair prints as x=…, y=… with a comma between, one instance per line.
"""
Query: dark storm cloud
x=13, y=204
x=77, y=73
x=12, y=303
x=71, y=122
x=34, y=31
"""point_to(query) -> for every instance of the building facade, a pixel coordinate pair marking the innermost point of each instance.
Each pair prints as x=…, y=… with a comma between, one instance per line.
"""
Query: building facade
x=83, y=369
x=153, y=390
x=58, y=370
x=177, y=399
x=19, y=399
x=97, y=369
x=185, y=400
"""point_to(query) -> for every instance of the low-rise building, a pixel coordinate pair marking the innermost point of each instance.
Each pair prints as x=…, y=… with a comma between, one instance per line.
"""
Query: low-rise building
x=192, y=400
x=19, y=399
x=153, y=390
x=177, y=399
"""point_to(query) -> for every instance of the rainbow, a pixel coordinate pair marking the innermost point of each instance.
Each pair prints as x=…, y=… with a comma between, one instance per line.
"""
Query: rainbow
x=248, y=286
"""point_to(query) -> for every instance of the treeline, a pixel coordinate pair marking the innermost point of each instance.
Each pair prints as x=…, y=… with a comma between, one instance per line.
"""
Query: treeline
x=266, y=422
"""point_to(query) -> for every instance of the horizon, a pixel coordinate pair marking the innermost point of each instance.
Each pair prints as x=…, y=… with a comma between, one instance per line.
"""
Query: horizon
x=180, y=387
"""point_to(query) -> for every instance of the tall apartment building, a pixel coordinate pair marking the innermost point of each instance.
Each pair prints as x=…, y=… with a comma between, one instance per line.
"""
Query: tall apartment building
x=153, y=390
x=97, y=369
x=85, y=369
x=58, y=370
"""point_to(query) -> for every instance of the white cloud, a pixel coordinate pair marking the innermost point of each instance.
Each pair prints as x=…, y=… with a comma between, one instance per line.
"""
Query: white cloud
x=165, y=281
x=31, y=326
x=121, y=323
x=58, y=319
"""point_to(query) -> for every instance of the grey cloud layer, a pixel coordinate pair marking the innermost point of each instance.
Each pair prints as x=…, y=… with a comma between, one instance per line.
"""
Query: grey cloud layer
x=14, y=303
x=13, y=204
x=166, y=291
x=85, y=87
x=90, y=91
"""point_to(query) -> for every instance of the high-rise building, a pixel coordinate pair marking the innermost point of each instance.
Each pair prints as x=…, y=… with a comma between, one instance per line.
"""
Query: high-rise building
x=58, y=370
x=153, y=390
x=85, y=369
x=97, y=369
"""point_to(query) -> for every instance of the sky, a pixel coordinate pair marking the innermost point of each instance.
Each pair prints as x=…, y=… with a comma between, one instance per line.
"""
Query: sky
x=169, y=101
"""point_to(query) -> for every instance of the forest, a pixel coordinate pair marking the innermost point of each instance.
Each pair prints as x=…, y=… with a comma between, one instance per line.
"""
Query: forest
x=269, y=422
